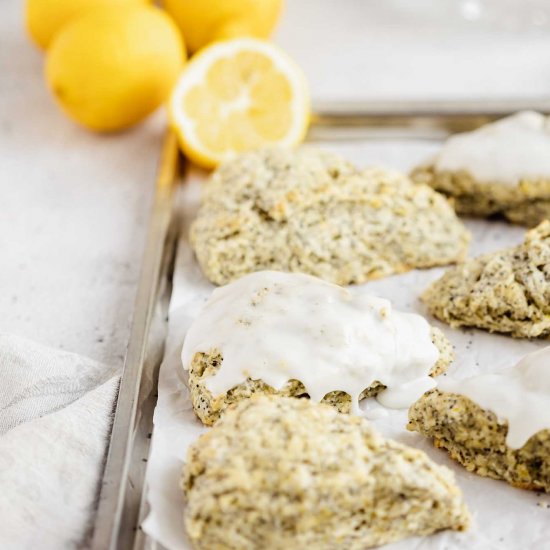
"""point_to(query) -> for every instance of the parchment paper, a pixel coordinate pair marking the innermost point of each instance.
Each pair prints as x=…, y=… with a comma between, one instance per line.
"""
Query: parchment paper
x=503, y=517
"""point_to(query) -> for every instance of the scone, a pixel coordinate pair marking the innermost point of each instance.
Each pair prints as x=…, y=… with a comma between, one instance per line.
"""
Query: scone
x=309, y=211
x=506, y=291
x=502, y=168
x=296, y=335
x=495, y=425
x=287, y=474
x=210, y=407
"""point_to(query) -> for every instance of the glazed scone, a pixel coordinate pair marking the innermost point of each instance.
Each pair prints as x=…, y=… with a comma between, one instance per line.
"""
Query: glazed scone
x=209, y=408
x=502, y=168
x=506, y=291
x=495, y=425
x=287, y=474
x=309, y=211
x=296, y=335
x=476, y=439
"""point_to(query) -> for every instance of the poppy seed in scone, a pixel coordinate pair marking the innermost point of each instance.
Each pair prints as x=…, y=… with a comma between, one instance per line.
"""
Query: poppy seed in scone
x=506, y=291
x=527, y=203
x=310, y=211
x=476, y=438
x=287, y=474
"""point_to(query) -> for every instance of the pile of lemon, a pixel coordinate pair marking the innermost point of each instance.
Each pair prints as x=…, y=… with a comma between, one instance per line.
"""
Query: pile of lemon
x=111, y=63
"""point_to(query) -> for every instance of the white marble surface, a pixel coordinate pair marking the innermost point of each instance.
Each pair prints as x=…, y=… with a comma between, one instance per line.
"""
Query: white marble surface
x=73, y=212
x=74, y=206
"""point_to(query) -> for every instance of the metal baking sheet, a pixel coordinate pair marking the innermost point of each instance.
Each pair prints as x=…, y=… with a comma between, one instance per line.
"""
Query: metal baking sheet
x=121, y=506
x=122, y=485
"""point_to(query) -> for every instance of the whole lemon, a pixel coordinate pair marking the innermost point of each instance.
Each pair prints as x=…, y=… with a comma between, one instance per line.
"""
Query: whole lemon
x=111, y=67
x=205, y=21
x=44, y=17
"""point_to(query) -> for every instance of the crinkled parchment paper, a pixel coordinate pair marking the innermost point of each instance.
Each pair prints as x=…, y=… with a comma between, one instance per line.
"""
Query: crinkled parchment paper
x=503, y=517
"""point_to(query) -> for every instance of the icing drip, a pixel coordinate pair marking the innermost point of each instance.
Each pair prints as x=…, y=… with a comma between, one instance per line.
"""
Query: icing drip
x=519, y=395
x=276, y=327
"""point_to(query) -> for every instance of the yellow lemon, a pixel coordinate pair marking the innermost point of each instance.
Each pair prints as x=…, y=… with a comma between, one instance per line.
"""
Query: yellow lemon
x=111, y=67
x=239, y=95
x=45, y=17
x=206, y=21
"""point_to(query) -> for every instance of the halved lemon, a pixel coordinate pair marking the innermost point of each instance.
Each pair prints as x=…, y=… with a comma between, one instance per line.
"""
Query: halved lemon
x=239, y=95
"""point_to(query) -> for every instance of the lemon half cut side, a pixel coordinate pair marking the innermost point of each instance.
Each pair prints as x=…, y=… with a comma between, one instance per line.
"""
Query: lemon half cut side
x=236, y=96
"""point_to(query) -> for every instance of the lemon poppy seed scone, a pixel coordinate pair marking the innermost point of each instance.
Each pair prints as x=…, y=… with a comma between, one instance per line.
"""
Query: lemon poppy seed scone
x=475, y=438
x=502, y=168
x=289, y=474
x=308, y=211
x=506, y=291
x=296, y=335
x=209, y=407
x=496, y=425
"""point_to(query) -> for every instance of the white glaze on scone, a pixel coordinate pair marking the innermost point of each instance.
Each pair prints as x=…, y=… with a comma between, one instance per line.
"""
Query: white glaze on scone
x=276, y=327
x=507, y=151
x=519, y=396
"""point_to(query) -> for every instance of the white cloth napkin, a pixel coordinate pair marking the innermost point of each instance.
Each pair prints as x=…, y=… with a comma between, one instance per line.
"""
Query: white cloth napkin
x=55, y=418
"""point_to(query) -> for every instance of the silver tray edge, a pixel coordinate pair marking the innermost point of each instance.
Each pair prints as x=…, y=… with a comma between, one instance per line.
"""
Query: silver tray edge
x=121, y=486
